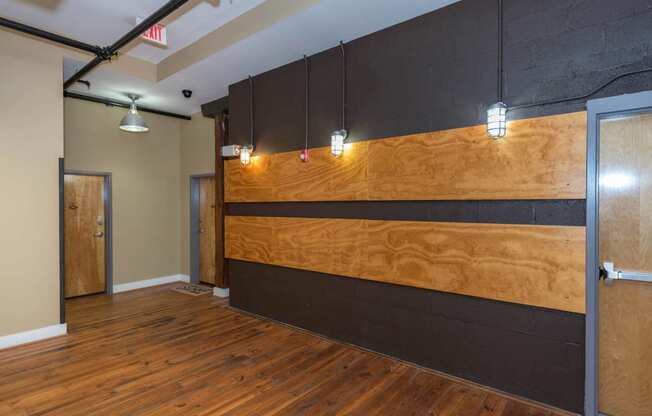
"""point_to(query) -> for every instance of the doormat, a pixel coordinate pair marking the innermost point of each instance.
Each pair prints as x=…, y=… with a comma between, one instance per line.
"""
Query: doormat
x=193, y=290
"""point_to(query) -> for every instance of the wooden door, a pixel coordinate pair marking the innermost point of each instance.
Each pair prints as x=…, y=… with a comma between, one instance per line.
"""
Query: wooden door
x=625, y=233
x=207, y=269
x=84, y=233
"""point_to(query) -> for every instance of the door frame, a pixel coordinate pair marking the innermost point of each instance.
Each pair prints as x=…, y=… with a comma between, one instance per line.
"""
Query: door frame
x=193, y=237
x=597, y=110
x=108, y=224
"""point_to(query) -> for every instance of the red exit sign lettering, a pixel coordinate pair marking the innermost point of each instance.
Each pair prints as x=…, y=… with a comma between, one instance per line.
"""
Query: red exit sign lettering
x=156, y=34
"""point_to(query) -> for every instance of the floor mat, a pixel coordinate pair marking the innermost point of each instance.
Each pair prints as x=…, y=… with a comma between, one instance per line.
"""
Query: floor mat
x=193, y=290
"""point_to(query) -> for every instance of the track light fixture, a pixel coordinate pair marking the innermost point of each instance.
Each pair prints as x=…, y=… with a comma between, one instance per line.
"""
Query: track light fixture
x=497, y=113
x=133, y=122
x=339, y=136
x=246, y=151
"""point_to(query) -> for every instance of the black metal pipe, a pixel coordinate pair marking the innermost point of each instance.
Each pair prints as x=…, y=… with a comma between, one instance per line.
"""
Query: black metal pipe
x=106, y=53
x=30, y=30
x=153, y=19
x=114, y=103
x=83, y=71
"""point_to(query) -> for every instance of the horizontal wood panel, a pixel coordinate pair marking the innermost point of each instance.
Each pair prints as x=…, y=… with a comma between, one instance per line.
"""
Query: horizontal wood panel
x=541, y=158
x=527, y=264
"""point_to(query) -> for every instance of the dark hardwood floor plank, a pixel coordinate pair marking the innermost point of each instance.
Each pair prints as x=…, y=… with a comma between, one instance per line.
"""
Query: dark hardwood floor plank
x=155, y=352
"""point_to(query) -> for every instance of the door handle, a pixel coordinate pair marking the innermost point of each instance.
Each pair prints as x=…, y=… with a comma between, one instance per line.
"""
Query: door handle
x=201, y=231
x=99, y=234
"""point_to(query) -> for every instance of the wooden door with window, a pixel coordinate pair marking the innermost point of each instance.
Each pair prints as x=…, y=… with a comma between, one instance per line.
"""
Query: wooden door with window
x=625, y=245
x=84, y=234
x=207, y=269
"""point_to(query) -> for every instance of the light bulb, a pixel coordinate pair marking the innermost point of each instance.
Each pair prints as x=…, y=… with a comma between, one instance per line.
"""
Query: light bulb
x=497, y=120
x=337, y=142
x=245, y=155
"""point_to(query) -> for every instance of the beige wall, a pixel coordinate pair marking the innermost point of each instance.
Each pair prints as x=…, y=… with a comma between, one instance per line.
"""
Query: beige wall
x=197, y=158
x=31, y=141
x=146, y=185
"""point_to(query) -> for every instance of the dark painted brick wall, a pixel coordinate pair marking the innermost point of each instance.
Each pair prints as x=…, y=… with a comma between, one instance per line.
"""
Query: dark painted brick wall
x=438, y=71
x=435, y=72
x=548, y=212
x=534, y=352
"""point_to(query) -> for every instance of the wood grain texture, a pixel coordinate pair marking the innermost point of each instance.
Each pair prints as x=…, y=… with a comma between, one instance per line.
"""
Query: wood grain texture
x=283, y=177
x=533, y=265
x=625, y=337
x=541, y=158
x=222, y=278
x=84, y=231
x=625, y=349
x=158, y=352
x=207, y=246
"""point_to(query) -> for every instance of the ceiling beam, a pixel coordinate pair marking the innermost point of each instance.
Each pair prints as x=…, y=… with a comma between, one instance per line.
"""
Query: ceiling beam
x=109, y=51
x=113, y=103
x=43, y=34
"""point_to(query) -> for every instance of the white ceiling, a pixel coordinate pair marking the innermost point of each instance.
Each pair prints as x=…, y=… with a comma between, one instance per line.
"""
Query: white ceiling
x=194, y=24
x=102, y=22
x=312, y=30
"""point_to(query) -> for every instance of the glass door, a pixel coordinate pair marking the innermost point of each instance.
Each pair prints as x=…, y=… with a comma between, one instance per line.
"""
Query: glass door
x=624, y=255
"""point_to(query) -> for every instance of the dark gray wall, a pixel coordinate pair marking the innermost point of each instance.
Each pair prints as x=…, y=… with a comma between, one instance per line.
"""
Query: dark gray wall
x=436, y=72
x=533, y=352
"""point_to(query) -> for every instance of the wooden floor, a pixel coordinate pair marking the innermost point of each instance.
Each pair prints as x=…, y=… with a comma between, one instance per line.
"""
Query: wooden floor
x=159, y=352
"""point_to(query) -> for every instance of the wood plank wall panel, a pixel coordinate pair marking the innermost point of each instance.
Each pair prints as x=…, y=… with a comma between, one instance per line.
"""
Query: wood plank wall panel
x=283, y=177
x=533, y=265
x=541, y=158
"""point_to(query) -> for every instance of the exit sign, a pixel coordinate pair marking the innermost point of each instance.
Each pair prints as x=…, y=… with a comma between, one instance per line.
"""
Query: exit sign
x=156, y=34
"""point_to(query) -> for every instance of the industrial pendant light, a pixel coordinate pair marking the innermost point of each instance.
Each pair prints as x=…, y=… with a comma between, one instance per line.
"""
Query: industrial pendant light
x=497, y=113
x=304, y=155
x=246, y=151
x=338, y=137
x=133, y=122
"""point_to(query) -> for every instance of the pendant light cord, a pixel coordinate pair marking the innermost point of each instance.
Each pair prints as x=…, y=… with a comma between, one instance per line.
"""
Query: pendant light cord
x=553, y=101
x=251, y=111
x=584, y=96
x=500, y=50
x=343, y=85
x=307, y=66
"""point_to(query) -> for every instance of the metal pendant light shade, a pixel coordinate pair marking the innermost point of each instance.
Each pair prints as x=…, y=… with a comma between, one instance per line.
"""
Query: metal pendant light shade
x=133, y=122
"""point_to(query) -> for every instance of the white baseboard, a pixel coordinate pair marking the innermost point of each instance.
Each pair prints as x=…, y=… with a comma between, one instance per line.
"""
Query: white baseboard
x=220, y=293
x=20, y=338
x=141, y=284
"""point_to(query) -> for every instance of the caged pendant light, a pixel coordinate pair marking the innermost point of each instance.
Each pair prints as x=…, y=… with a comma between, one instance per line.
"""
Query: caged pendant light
x=338, y=137
x=305, y=155
x=246, y=151
x=497, y=113
x=133, y=122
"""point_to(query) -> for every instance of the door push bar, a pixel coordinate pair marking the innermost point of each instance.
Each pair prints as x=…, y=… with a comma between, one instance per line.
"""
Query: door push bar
x=609, y=274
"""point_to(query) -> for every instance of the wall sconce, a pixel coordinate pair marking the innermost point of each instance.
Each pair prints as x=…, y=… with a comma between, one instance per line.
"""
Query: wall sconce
x=339, y=136
x=337, y=142
x=497, y=120
x=245, y=155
